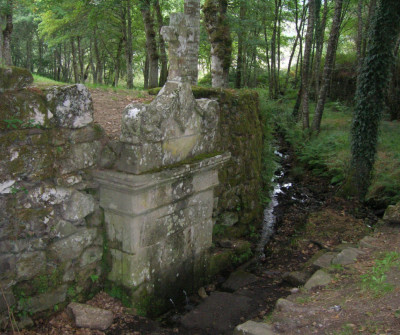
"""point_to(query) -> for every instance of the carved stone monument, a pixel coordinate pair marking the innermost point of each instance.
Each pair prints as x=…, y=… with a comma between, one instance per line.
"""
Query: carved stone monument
x=158, y=207
x=183, y=36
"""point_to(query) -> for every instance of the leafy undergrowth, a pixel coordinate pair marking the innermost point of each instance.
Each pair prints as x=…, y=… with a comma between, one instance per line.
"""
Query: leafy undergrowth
x=363, y=298
x=328, y=154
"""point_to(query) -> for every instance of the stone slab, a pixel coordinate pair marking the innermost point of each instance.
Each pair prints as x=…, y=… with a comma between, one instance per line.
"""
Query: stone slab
x=238, y=280
x=325, y=260
x=253, y=328
x=347, y=256
x=86, y=316
x=319, y=278
x=220, y=312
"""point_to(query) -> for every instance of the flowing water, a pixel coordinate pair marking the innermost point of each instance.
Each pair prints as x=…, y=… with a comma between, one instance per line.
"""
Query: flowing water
x=281, y=185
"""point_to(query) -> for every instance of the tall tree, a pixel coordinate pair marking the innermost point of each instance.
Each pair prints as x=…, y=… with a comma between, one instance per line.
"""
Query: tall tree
x=6, y=15
x=371, y=93
x=161, y=43
x=151, y=42
x=306, y=72
x=241, y=39
x=328, y=68
x=128, y=46
x=216, y=22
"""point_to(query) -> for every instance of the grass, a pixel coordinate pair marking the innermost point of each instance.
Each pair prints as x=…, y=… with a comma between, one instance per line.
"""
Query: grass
x=375, y=280
x=328, y=154
x=43, y=82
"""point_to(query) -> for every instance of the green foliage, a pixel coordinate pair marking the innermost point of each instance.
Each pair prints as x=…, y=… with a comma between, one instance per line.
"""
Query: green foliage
x=94, y=278
x=375, y=280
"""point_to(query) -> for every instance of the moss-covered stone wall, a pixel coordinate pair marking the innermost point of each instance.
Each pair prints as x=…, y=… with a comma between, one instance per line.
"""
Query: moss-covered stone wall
x=51, y=236
x=239, y=210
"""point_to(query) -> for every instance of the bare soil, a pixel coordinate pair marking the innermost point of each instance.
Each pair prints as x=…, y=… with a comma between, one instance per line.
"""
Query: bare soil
x=346, y=306
x=109, y=105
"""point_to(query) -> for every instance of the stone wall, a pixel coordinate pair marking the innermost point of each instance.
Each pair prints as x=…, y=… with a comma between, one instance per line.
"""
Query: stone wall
x=157, y=191
x=51, y=236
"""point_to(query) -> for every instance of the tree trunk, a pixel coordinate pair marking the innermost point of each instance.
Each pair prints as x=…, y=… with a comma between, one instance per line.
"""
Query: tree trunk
x=241, y=37
x=319, y=47
x=272, y=80
x=277, y=77
x=7, y=31
x=220, y=38
x=117, y=68
x=146, y=73
x=129, y=48
x=29, y=63
x=92, y=67
x=299, y=28
x=359, y=35
x=99, y=63
x=151, y=43
x=163, y=53
x=81, y=60
x=328, y=68
x=74, y=62
x=306, y=65
x=267, y=51
x=371, y=12
x=370, y=95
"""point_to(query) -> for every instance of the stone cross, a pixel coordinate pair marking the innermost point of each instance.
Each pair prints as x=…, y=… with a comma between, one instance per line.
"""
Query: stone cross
x=183, y=35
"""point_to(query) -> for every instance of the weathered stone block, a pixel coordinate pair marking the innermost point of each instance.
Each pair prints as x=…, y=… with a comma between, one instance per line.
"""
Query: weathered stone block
x=45, y=301
x=131, y=270
x=78, y=206
x=14, y=78
x=172, y=128
x=86, y=316
x=30, y=264
x=91, y=255
x=392, y=214
x=62, y=229
x=79, y=157
x=24, y=109
x=72, y=105
x=72, y=246
x=26, y=161
x=7, y=266
x=132, y=194
x=319, y=278
x=254, y=328
x=45, y=195
x=130, y=233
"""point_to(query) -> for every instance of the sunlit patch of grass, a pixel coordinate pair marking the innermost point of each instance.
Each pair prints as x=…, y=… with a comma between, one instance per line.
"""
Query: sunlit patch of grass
x=43, y=82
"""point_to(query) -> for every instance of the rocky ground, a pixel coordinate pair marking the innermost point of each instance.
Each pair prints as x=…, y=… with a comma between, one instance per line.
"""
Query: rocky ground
x=360, y=296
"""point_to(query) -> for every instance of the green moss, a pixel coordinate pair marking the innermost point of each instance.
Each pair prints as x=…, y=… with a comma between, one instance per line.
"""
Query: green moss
x=14, y=78
x=220, y=261
x=18, y=110
x=154, y=91
x=99, y=131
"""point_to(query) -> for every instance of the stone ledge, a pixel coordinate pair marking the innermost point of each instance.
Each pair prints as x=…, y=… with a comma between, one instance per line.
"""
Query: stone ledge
x=123, y=181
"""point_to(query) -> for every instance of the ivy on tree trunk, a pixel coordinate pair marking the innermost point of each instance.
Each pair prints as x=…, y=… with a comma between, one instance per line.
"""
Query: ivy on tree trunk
x=371, y=92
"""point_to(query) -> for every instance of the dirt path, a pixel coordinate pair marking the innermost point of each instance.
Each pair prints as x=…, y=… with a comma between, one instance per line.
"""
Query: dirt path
x=109, y=105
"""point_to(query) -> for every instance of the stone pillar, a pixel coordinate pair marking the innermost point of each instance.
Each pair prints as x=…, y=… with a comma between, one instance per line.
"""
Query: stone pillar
x=159, y=229
x=183, y=35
